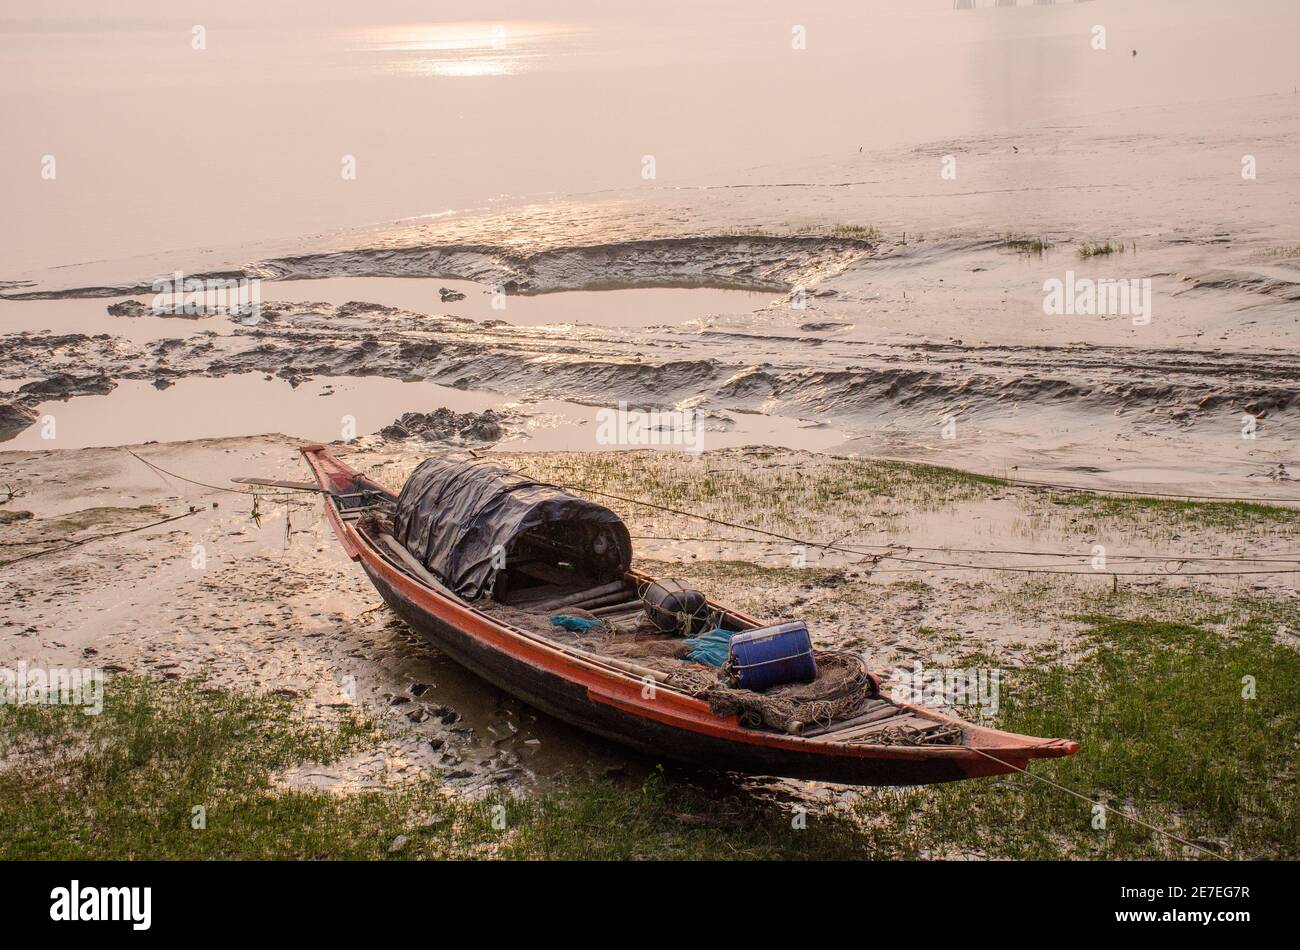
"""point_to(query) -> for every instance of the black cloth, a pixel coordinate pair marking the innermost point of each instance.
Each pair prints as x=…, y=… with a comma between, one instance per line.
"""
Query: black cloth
x=453, y=512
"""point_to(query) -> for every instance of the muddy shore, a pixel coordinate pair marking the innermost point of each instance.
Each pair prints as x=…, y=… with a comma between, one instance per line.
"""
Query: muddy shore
x=255, y=595
x=891, y=310
x=904, y=321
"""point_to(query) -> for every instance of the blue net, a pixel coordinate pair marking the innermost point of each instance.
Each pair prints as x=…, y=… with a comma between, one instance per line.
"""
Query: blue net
x=712, y=648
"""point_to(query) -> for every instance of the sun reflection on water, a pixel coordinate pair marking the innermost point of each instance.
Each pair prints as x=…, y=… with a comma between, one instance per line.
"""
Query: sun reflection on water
x=464, y=49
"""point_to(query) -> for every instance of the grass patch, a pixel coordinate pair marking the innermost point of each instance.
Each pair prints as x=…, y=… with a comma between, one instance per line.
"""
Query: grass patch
x=1165, y=734
x=1099, y=249
x=1157, y=707
x=810, y=496
x=715, y=573
x=123, y=785
x=777, y=492
x=1025, y=244
x=1165, y=730
x=1226, y=515
x=1281, y=251
x=856, y=231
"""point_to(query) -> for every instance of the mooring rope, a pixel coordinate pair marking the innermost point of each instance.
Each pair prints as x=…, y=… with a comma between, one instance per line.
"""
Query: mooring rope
x=886, y=555
x=1123, y=814
x=1097, y=489
x=221, y=488
x=863, y=546
x=99, y=537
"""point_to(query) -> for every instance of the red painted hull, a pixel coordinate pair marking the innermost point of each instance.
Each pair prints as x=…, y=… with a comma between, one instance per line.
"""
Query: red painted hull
x=658, y=721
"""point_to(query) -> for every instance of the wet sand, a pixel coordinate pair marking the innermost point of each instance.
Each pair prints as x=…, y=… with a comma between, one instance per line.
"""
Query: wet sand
x=891, y=303
x=853, y=303
x=276, y=606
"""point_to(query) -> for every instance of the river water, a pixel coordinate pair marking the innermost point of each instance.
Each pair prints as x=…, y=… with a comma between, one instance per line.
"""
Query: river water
x=122, y=138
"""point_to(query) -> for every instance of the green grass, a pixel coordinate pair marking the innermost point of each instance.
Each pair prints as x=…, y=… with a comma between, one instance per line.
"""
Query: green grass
x=1165, y=731
x=1229, y=515
x=762, y=489
x=1157, y=707
x=123, y=785
x=1026, y=244
x=1099, y=249
x=856, y=231
x=1164, y=734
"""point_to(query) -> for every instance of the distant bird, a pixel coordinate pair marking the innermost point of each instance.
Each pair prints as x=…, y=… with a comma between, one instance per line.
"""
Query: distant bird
x=1015, y=149
x=1135, y=52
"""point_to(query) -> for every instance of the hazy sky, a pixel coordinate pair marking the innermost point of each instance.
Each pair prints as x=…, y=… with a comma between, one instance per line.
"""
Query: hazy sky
x=159, y=146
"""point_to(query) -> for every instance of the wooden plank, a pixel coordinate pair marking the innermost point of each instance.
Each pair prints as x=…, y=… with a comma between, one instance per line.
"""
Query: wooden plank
x=546, y=572
x=865, y=722
x=919, y=723
x=579, y=598
x=867, y=729
x=605, y=600
x=627, y=607
x=876, y=709
x=527, y=597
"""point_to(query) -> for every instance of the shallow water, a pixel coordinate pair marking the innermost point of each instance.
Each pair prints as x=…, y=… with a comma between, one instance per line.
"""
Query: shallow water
x=330, y=408
x=162, y=147
x=90, y=315
x=623, y=307
x=202, y=408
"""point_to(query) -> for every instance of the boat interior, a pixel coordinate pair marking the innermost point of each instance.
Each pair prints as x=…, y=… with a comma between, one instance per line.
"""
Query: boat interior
x=572, y=570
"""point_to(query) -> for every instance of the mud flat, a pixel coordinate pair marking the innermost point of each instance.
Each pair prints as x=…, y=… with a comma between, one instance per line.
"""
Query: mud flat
x=252, y=593
x=863, y=292
x=158, y=578
x=887, y=383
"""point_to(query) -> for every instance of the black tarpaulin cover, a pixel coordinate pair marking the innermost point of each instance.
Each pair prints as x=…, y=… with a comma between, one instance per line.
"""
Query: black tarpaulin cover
x=453, y=513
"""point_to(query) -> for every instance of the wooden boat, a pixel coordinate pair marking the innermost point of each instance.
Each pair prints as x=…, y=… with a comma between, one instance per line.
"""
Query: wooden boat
x=632, y=702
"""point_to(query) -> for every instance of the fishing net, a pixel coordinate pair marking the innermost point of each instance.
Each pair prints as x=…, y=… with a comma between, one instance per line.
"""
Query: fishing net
x=910, y=735
x=842, y=688
x=376, y=522
x=625, y=640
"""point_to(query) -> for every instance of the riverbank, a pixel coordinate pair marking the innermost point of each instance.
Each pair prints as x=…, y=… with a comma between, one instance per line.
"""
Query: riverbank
x=247, y=601
x=183, y=771
x=856, y=303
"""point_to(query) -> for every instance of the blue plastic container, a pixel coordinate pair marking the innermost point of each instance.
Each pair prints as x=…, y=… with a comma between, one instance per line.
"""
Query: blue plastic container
x=771, y=656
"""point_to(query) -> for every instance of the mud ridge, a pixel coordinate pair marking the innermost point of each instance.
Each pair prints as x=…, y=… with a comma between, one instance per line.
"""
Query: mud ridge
x=746, y=262
x=853, y=384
